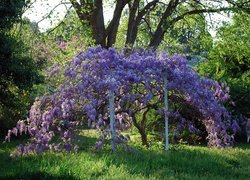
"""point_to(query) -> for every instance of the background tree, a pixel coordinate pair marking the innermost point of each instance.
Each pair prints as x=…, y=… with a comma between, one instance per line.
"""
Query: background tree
x=190, y=37
x=18, y=71
x=168, y=13
x=229, y=60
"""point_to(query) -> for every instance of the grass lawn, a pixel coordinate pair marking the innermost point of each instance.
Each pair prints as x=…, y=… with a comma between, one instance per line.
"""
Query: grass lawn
x=182, y=162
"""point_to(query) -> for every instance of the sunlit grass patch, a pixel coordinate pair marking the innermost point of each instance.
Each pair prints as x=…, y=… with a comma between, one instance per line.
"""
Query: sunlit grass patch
x=182, y=162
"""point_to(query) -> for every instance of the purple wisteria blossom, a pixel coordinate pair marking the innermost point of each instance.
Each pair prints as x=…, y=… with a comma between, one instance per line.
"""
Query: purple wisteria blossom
x=137, y=82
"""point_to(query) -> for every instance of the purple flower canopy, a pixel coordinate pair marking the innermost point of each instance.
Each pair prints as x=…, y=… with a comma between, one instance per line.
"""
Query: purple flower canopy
x=137, y=81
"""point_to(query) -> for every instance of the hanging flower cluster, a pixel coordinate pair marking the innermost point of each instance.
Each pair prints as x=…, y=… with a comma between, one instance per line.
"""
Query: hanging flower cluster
x=137, y=81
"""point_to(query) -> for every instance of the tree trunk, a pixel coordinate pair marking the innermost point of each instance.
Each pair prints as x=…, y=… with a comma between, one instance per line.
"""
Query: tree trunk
x=92, y=13
x=144, y=138
x=156, y=39
x=163, y=25
x=131, y=22
x=111, y=31
x=97, y=23
x=141, y=127
x=134, y=21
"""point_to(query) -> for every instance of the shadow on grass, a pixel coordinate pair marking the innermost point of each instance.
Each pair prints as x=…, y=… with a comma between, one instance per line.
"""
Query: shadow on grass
x=49, y=165
x=37, y=176
x=182, y=162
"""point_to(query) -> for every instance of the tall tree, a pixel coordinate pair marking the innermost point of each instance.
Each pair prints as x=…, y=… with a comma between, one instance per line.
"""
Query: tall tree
x=229, y=60
x=168, y=13
x=18, y=72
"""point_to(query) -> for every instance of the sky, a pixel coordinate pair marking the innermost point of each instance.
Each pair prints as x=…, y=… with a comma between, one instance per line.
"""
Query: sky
x=42, y=7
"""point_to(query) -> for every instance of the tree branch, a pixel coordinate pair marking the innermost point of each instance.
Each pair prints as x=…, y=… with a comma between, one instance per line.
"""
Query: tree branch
x=83, y=10
x=159, y=33
x=199, y=11
x=148, y=25
x=149, y=7
x=111, y=30
x=51, y=12
x=134, y=20
x=59, y=24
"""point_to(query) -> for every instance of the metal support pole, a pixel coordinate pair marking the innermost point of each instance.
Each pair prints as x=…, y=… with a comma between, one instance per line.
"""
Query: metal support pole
x=112, y=117
x=166, y=112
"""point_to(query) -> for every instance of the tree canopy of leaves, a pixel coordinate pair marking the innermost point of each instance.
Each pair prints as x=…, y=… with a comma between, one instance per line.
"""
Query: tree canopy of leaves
x=229, y=61
x=189, y=36
x=166, y=13
x=18, y=72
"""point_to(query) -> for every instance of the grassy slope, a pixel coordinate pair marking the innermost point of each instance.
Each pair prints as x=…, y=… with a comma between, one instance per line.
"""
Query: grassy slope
x=183, y=162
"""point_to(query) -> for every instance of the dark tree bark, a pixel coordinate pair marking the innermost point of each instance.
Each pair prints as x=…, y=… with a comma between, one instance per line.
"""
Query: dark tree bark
x=131, y=20
x=134, y=21
x=91, y=12
x=163, y=25
x=142, y=127
x=97, y=23
x=144, y=137
x=112, y=29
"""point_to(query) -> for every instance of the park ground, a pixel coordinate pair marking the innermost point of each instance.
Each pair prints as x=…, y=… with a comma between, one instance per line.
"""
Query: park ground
x=182, y=162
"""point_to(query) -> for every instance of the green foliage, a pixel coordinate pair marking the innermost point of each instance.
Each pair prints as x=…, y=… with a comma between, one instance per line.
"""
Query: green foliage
x=11, y=11
x=121, y=34
x=26, y=51
x=53, y=48
x=229, y=60
x=18, y=71
x=70, y=27
x=182, y=162
x=189, y=36
x=58, y=45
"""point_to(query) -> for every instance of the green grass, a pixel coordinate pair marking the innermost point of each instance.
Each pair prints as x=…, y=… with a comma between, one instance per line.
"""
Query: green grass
x=182, y=162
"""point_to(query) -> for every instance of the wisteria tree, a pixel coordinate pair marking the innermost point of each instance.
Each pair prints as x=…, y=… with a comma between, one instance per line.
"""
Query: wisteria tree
x=136, y=81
